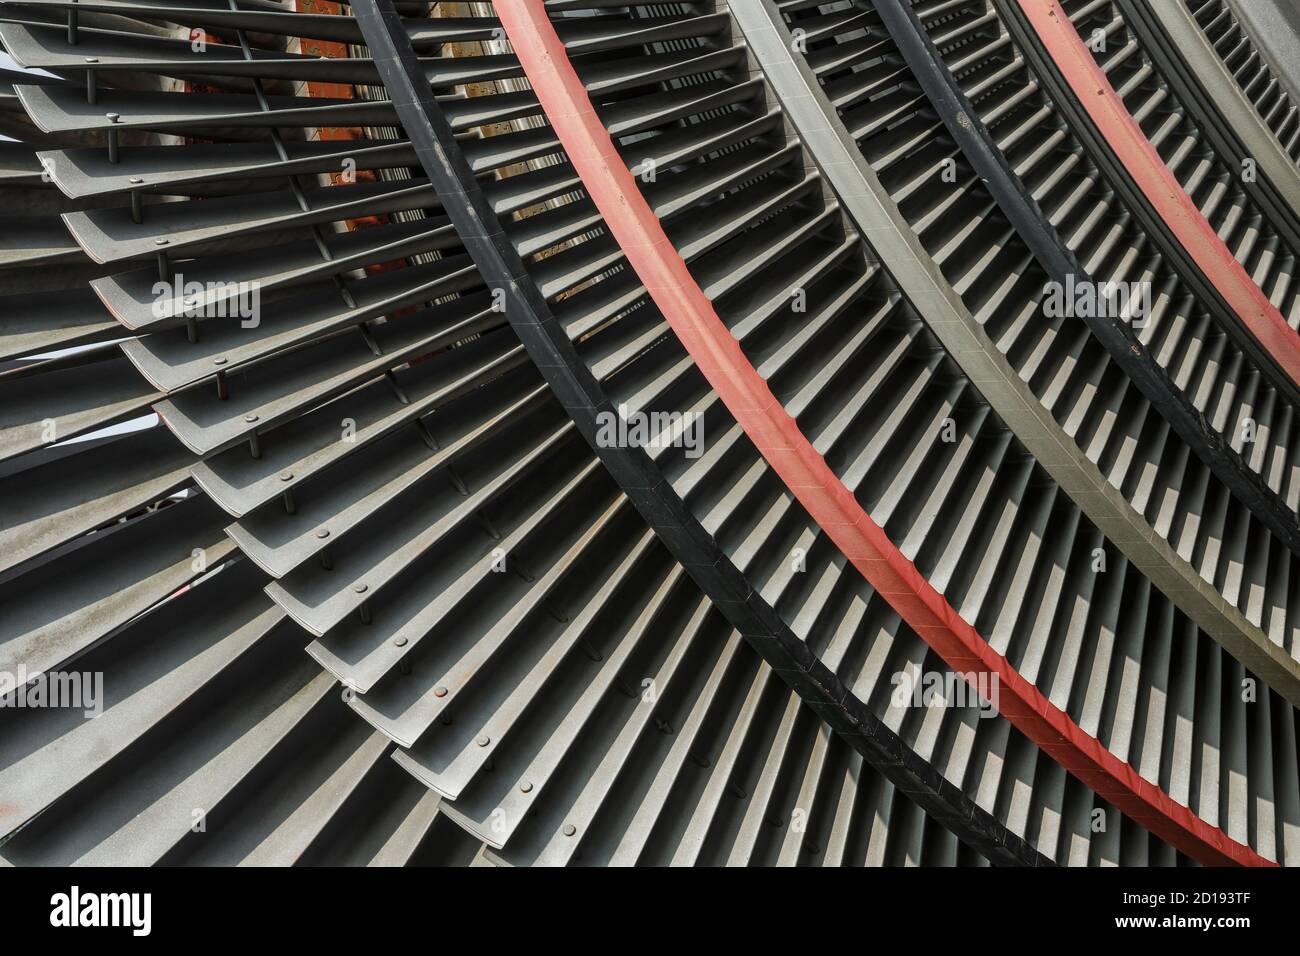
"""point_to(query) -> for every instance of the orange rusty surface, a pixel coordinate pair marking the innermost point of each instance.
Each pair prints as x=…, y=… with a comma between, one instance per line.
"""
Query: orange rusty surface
x=337, y=91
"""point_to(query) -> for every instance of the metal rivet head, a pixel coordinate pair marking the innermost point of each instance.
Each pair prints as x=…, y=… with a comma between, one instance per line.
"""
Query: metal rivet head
x=483, y=741
x=160, y=242
x=92, y=59
x=400, y=642
x=137, y=180
x=323, y=533
x=361, y=588
x=286, y=476
x=570, y=829
x=440, y=692
x=250, y=418
x=526, y=787
x=219, y=360
x=112, y=117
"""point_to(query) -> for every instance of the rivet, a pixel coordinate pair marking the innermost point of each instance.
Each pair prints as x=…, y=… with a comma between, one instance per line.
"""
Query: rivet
x=92, y=59
x=160, y=242
x=219, y=360
x=440, y=691
x=250, y=418
x=570, y=829
x=137, y=179
x=526, y=787
x=286, y=476
x=323, y=533
x=400, y=642
x=112, y=117
x=361, y=588
x=483, y=741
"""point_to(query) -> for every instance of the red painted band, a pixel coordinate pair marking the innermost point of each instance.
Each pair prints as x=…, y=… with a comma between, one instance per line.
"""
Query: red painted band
x=1148, y=171
x=778, y=438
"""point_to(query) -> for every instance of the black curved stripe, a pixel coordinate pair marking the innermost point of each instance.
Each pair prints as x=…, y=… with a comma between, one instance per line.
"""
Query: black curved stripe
x=1027, y=218
x=1220, y=129
x=645, y=486
x=1135, y=200
x=1094, y=141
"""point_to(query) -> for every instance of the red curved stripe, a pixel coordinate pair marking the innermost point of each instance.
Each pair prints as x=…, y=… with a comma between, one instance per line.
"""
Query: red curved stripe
x=778, y=438
x=1074, y=61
